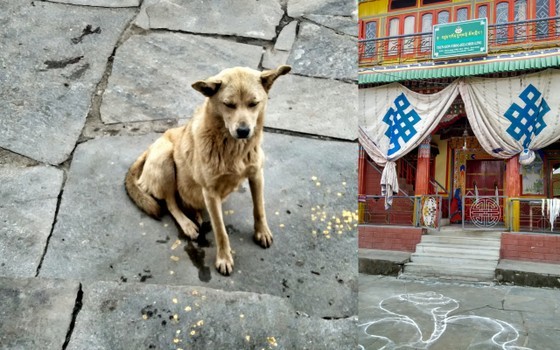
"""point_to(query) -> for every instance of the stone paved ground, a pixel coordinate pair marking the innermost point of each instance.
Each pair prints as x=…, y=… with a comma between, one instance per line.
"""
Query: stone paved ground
x=85, y=86
x=440, y=315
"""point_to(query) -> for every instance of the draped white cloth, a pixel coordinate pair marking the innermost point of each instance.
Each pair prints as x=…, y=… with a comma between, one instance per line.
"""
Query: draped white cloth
x=395, y=120
x=509, y=116
x=516, y=115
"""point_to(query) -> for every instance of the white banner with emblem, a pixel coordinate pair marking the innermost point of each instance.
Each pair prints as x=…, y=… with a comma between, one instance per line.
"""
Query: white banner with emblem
x=514, y=115
x=394, y=120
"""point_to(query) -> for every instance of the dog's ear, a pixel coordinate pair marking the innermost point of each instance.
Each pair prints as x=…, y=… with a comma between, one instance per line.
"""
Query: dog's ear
x=207, y=87
x=269, y=76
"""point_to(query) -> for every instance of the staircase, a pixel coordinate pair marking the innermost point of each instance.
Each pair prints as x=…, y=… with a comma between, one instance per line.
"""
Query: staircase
x=453, y=253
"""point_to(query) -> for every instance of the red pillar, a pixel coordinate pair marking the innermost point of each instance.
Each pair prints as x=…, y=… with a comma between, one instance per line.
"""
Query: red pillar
x=513, y=179
x=423, y=168
x=361, y=170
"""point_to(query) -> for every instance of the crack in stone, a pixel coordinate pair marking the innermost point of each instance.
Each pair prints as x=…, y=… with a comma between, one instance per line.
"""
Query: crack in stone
x=77, y=307
x=55, y=219
x=306, y=135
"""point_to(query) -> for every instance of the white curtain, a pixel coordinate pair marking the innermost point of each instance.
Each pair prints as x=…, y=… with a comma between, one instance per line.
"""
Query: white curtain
x=514, y=115
x=395, y=120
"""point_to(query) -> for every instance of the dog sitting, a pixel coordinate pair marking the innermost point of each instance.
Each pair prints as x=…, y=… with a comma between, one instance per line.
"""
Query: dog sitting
x=205, y=160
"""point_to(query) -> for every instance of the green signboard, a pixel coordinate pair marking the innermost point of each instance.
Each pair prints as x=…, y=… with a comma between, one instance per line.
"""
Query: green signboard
x=467, y=38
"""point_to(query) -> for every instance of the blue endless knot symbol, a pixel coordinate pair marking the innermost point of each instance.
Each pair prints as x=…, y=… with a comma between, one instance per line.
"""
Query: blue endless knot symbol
x=401, y=121
x=527, y=121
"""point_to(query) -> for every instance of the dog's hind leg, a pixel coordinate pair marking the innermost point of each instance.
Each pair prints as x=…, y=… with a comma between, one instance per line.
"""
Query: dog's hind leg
x=189, y=228
x=224, y=259
x=262, y=236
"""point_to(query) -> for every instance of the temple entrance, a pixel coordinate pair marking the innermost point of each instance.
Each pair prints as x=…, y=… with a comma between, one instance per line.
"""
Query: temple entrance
x=487, y=178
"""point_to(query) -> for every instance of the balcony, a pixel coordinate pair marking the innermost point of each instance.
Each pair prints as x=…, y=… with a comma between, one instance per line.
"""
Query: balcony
x=502, y=38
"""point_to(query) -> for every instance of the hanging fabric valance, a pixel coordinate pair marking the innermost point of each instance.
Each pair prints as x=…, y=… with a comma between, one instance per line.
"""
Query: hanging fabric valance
x=514, y=115
x=508, y=116
x=395, y=120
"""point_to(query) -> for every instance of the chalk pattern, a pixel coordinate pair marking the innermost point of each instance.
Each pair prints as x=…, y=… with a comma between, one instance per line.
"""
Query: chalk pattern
x=402, y=329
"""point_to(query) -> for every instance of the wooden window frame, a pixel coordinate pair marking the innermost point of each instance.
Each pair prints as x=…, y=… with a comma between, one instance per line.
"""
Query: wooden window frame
x=456, y=9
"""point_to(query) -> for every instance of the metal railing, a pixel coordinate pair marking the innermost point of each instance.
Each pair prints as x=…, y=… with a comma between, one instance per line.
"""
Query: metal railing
x=401, y=212
x=527, y=216
x=506, y=37
x=416, y=211
x=483, y=212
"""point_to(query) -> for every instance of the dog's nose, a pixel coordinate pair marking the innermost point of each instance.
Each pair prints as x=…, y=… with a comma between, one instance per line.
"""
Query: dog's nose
x=243, y=132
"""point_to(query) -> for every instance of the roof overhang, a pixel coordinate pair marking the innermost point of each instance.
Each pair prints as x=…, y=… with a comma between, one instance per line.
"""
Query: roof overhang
x=461, y=67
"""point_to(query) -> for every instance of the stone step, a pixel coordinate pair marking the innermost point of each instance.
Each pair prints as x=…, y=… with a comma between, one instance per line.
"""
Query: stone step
x=487, y=242
x=456, y=249
x=450, y=271
x=467, y=260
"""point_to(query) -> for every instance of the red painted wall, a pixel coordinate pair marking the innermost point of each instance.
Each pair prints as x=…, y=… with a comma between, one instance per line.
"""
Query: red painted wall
x=530, y=247
x=389, y=238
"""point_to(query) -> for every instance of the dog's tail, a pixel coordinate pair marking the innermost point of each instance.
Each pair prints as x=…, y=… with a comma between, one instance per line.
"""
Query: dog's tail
x=142, y=199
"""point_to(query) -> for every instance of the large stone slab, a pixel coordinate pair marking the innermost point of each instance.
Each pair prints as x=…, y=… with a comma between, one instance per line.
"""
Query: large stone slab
x=314, y=106
x=310, y=199
x=102, y=3
x=321, y=52
x=135, y=316
x=152, y=74
x=49, y=69
x=35, y=313
x=240, y=18
x=299, y=8
x=27, y=209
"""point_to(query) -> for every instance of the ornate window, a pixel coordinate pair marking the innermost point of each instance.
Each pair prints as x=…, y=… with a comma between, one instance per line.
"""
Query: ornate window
x=502, y=13
x=520, y=8
x=427, y=20
x=409, y=25
x=393, y=48
x=543, y=12
x=482, y=11
x=443, y=17
x=370, y=32
x=462, y=14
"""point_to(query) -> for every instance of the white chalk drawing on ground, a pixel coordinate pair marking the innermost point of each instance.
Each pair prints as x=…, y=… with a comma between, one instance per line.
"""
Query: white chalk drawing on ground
x=410, y=316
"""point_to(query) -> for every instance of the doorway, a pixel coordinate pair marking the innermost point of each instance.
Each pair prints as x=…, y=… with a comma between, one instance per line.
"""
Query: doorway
x=486, y=176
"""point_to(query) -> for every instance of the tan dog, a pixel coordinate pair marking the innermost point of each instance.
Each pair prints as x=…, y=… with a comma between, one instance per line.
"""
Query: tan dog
x=202, y=162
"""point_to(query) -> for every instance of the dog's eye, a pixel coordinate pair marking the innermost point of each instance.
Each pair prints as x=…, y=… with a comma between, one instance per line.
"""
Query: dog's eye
x=253, y=104
x=230, y=105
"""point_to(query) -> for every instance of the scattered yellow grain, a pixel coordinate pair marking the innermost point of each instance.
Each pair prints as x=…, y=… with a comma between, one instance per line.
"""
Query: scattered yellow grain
x=314, y=178
x=144, y=317
x=193, y=332
x=318, y=184
x=188, y=308
x=281, y=225
x=272, y=341
x=248, y=338
x=175, y=244
x=175, y=300
x=200, y=323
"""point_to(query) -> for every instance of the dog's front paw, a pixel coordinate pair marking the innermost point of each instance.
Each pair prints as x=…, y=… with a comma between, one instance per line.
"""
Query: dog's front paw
x=263, y=237
x=224, y=263
x=190, y=229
